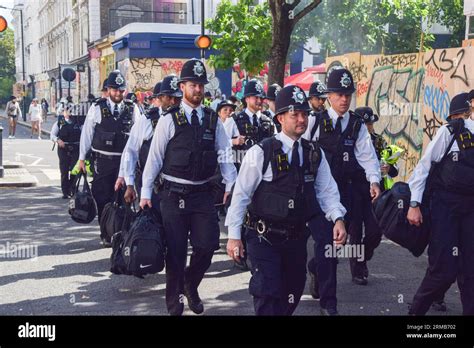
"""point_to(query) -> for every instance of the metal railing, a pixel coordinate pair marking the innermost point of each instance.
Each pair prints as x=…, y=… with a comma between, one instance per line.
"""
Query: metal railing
x=170, y=13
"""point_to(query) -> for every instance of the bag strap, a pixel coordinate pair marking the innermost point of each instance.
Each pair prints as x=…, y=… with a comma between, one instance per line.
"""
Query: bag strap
x=130, y=213
x=118, y=196
x=85, y=187
x=449, y=146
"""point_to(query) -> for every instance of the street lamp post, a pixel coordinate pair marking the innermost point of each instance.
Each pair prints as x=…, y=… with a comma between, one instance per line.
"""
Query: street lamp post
x=23, y=105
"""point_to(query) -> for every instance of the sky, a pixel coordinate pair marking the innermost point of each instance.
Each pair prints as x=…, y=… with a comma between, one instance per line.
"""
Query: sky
x=7, y=13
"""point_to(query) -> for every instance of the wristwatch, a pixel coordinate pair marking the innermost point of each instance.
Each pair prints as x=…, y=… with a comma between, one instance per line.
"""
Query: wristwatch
x=340, y=218
x=414, y=204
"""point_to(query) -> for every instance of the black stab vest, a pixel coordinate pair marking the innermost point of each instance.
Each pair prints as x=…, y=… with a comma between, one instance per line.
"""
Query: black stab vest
x=339, y=148
x=111, y=134
x=191, y=153
x=290, y=196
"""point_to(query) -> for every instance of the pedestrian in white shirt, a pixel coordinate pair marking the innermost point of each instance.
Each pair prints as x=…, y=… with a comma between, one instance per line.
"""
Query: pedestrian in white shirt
x=35, y=114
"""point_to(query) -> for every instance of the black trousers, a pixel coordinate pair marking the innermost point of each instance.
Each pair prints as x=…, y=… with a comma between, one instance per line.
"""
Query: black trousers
x=105, y=175
x=67, y=161
x=324, y=267
x=278, y=274
x=362, y=228
x=450, y=252
x=190, y=216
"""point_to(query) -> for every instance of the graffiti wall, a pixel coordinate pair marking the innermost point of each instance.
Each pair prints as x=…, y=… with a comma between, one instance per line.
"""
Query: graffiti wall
x=410, y=92
x=447, y=74
x=143, y=73
x=392, y=86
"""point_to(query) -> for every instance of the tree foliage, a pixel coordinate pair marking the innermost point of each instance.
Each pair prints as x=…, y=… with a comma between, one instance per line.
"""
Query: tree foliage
x=7, y=64
x=241, y=32
x=381, y=26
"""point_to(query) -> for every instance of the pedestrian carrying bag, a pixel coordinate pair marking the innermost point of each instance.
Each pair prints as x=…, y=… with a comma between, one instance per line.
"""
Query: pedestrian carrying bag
x=111, y=220
x=142, y=247
x=82, y=206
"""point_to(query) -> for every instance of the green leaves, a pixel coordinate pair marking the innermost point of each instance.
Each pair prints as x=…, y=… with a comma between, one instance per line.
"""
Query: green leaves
x=241, y=33
x=373, y=26
x=7, y=64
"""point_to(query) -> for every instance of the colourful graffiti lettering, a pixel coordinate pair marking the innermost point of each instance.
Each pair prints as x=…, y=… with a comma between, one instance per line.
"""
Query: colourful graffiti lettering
x=437, y=100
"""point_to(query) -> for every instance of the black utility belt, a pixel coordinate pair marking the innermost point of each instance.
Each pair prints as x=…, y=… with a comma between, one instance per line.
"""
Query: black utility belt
x=185, y=189
x=109, y=157
x=281, y=230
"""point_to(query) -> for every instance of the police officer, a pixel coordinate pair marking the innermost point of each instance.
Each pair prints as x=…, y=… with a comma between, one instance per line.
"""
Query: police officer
x=283, y=181
x=225, y=109
x=252, y=124
x=189, y=140
x=105, y=132
x=138, y=144
x=438, y=302
x=451, y=202
x=371, y=235
x=317, y=96
x=353, y=161
x=66, y=132
x=270, y=101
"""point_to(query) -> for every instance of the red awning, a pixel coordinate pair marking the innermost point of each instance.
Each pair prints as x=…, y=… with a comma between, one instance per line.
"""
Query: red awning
x=305, y=78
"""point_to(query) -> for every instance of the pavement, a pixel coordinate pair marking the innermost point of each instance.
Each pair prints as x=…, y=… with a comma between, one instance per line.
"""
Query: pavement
x=59, y=267
x=15, y=175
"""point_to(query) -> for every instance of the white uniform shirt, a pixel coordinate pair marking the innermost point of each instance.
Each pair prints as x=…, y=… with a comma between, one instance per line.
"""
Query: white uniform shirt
x=94, y=117
x=141, y=131
x=231, y=128
x=164, y=132
x=433, y=153
x=364, y=150
x=250, y=176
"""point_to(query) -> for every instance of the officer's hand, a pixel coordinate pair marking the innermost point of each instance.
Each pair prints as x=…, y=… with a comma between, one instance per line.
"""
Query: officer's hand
x=235, y=249
x=240, y=140
x=82, y=166
x=226, y=196
x=374, y=191
x=414, y=216
x=60, y=143
x=119, y=183
x=339, y=233
x=145, y=202
x=384, y=168
x=130, y=195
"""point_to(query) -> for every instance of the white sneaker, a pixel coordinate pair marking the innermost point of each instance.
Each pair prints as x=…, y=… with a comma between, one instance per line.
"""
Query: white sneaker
x=13, y=137
x=9, y=137
x=39, y=138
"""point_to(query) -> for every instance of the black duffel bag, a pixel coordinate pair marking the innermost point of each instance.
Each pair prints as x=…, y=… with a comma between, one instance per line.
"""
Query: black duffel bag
x=112, y=216
x=139, y=250
x=390, y=211
x=117, y=262
x=82, y=206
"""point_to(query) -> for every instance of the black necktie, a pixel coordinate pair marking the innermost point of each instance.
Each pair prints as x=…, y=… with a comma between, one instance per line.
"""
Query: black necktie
x=295, y=156
x=254, y=120
x=338, y=127
x=116, y=111
x=194, y=119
